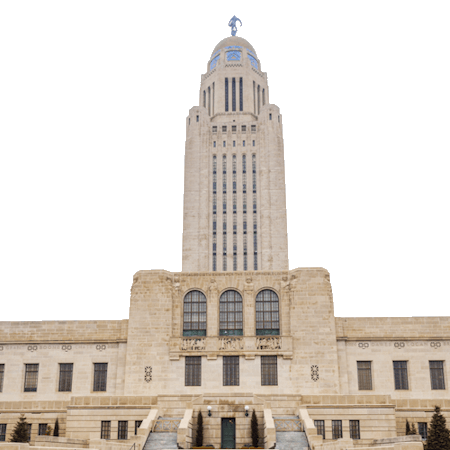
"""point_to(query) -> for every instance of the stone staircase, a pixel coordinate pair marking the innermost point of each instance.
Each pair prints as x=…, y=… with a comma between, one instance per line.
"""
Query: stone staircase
x=290, y=435
x=164, y=434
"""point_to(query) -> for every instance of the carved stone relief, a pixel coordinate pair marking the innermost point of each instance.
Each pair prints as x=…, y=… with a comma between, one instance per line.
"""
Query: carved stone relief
x=314, y=372
x=148, y=374
x=231, y=344
x=193, y=344
x=268, y=343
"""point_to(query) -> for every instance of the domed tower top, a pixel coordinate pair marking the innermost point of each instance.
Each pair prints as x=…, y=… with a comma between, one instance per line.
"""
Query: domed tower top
x=233, y=42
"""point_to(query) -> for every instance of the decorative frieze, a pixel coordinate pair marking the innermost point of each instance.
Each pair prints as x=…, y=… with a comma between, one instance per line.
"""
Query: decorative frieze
x=231, y=344
x=193, y=344
x=66, y=348
x=148, y=374
x=314, y=372
x=363, y=345
x=268, y=343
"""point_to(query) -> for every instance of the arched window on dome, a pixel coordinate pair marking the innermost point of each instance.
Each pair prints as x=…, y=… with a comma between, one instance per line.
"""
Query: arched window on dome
x=267, y=313
x=230, y=314
x=194, y=314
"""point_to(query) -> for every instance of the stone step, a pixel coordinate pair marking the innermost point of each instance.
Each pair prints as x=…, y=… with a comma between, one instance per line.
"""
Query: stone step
x=291, y=440
x=161, y=441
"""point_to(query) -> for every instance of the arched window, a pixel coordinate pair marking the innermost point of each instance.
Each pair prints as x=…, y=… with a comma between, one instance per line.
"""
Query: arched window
x=267, y=313
x=194, y=314
x=231, y=314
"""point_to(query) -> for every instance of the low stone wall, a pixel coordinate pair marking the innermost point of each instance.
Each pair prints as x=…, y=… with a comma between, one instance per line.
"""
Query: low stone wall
x=55, y=441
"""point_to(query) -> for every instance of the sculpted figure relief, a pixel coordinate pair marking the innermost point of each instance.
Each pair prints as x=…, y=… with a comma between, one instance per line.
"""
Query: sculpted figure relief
x=193, y=344
x=268, y=343
x=231, y=344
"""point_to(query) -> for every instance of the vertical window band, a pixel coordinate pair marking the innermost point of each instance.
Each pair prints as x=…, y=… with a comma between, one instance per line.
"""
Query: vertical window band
x=241, y=95
x=233, y=93
x=226, y=94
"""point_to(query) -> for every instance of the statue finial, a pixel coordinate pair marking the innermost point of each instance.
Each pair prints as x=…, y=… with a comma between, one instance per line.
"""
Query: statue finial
x=232, y=24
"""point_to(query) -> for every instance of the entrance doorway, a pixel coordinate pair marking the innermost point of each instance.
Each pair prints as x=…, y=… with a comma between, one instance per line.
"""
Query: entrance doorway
x=228, y=433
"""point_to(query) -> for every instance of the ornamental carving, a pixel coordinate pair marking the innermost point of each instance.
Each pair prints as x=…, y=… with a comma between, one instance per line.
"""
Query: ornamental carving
x=100, y=347
x=193, y=344
x=399, y=344
x=66, y=348
x=268, y=343
x=32, y=348
x=148, y=374
x=363, y=345
x=314, y=372
x=231, y=344
x=435, y=344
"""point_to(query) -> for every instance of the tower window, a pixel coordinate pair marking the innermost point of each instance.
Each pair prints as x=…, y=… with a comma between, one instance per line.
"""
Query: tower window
x=233, y=128
x=204, y=99
x=214, y=144
x=241, y=95
x=243, y=143
x=270, y=116
x=253, y=143
x=197, y=118
x=244, y=128
x=214, y=129
x=226, y=94
x=234, y=143
x=253, y=128
x=233, y=94
x=224, y=129
x=224, y=143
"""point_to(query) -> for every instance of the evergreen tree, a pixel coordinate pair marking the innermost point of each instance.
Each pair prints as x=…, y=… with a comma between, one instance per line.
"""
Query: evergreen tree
x=413, y=429
x=255, y=429
x=408, y=429
x=20, y=432
x=438, y=433
x=199, y=436
x=56, y=429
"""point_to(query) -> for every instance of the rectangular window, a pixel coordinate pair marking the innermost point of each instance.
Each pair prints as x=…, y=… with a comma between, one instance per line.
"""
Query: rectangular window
x=29, y=431
x=2, y=376
x=270, y=116
x=253, y=143
x=354, y=429
x=231, y=370
x=122, y=430
x=224, y=143
x=243, y=143
x=253, y=128
x=31, y=377
x=336, y=429
x=400, y=375
x=193, y=371
x=100, y=375
x=364, y=375
x=214, y=144
x=234, y=143
x=423, y=430
x=224, y=129
x=214, y=129
x=197, y=118
x=269, y=373
x=244, y=128
x=234, y=129
x=105, y=432
x=241, y=95
x=437, y=374
x=320, y=427
x=42, y=429
x=226, y=94
x=65, y=377
x=233, y=93
x=137, y=424
x=2, y=432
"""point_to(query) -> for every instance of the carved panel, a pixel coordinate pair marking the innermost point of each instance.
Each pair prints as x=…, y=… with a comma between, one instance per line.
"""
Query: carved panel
x=193, y=344
x=268, y=343
x=231, y=344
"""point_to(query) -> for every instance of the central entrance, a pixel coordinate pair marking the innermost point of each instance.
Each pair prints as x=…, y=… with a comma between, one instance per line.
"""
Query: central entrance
x=228, y=433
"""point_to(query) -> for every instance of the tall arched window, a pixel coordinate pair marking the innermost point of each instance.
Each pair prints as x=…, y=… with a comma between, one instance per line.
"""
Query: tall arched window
x=231, y=314
x=194, y=314
x=267, y=313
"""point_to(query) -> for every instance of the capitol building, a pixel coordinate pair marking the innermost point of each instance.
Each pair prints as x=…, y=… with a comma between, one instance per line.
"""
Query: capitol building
x=236, y=330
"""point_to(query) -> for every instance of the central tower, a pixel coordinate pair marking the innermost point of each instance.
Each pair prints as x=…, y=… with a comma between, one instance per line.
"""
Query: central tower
x=234, y=184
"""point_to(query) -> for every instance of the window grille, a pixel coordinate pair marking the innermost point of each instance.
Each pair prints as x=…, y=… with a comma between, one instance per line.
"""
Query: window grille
x=230, y=313
x=122, y=430
x=65, y=377
x=254, y=98
x=224, y=128
x=253, y=129
x=224, y=217
x=437, y=374
x=255, y=219
x=267, y=313
x=2, y=432
x=234, y=213
x=2, y=376
x=423, y=430
x=226, y=94
x=336, y=429
x=231, y=370
x=320, y=426
x=194, y=314
x=42, y=429
x=29, y=425
x=364, y=375
x=400, y=375
x=100, y=375
x=241, y=95
x=244, y=128
x=233, y=93
x=31, y=377
x=105, y=432
x=269, y=371
x=233, y=129
x=209, y=100
x=193, y=371
x=259, y=98
x=137, y=424
x=354, y=429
